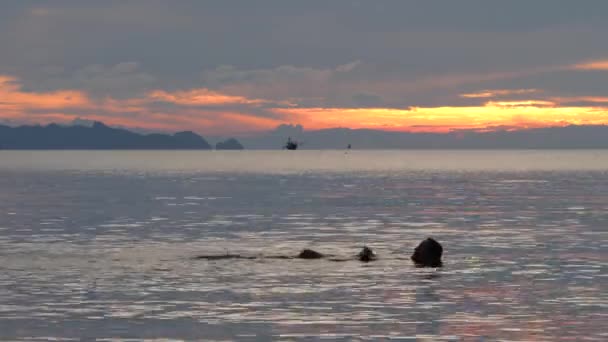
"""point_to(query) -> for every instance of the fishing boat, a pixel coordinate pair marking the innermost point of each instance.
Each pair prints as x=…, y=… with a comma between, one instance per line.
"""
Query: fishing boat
x=291, y=144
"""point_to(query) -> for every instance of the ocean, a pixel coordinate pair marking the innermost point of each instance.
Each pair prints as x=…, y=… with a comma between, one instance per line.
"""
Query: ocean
x=101, y=245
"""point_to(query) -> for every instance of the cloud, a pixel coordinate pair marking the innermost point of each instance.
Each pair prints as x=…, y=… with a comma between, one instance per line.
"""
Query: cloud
x=573, y=99
x=356, y=94
x=489, y=93
x=123, y=79
x=211, y=111
x=355, y=84
x=285, y=74
x=237, y=100
x=592, y=65
x=200, y=97
x=522, y=104
x=305, y=86
x=183, y=109
x=12, y=99
x=350, y=85
x=314, y=54
x=367, y=100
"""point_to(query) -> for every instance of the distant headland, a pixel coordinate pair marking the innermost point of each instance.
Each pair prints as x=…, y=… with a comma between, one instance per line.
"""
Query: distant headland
x=98, y=136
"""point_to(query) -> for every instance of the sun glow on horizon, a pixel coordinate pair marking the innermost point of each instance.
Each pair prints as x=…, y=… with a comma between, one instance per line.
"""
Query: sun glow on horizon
x=516, y=114
x=210, y=111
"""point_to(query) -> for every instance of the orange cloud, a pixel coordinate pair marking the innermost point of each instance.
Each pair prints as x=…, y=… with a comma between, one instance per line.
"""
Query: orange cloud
x=498, y=92
x=523, y=103
x=184, y=111
x=592, y=65
x=13, y=99
x=65, y=105
x=254, y=123
x=199, y=97
x=570, y=99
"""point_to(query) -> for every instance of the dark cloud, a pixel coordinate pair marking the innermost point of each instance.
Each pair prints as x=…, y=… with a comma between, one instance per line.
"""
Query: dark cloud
x=179, y=38
x=367, y=100
x=120, y=80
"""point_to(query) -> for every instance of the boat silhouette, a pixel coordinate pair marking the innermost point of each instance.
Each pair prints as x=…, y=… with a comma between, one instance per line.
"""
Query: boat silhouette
x=291, y=144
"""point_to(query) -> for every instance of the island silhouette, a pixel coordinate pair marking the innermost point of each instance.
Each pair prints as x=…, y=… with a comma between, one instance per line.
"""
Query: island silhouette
x=99, y=136
x=229, y=144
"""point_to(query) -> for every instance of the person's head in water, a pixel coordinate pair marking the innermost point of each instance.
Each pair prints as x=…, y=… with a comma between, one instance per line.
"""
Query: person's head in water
x=428, y=253
x=367, y=254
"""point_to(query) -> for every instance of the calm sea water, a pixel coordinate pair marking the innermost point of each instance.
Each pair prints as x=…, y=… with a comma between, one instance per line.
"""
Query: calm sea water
x=99, y=245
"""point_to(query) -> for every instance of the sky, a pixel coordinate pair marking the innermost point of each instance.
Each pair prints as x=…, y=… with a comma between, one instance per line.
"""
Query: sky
x=230, y=67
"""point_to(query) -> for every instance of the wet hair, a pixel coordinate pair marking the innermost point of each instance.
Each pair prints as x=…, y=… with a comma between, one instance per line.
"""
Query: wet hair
x=428, y=253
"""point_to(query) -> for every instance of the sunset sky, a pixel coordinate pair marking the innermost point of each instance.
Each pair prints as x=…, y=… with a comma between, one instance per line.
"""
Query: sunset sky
x=242, y=67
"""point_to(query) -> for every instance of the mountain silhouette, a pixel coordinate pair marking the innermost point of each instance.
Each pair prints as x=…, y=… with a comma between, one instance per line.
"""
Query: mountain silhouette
x=95, y=137
x=99, y=136
x=229, y=144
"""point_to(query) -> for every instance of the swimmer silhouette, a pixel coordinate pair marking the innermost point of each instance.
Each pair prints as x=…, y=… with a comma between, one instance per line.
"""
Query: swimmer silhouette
x=366, y=255
x=428, y=254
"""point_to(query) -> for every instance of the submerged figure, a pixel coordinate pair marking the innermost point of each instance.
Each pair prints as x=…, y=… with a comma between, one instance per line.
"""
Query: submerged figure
x=309, y=254
x=366, y=254
x=224, y=256
x=428, y=254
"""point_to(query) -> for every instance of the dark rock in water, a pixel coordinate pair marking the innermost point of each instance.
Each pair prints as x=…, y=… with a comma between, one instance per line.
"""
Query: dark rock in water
x=367, y=254
x=428, y=254
x=310, y=254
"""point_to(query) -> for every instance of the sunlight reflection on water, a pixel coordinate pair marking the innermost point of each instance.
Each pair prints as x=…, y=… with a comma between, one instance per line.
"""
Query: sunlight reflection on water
x=108, y=255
